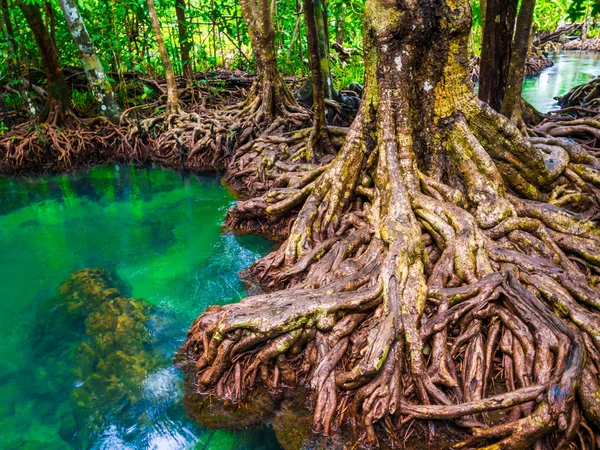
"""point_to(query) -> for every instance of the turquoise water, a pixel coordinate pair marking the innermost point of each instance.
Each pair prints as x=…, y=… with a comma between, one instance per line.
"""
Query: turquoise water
x=570, y=69
x=161, y=235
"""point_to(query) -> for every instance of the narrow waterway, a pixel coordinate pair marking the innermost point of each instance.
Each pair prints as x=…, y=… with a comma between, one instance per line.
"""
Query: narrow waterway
x=570, y=69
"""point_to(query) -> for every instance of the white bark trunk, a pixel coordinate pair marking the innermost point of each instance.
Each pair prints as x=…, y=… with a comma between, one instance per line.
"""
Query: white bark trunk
x=92, y=66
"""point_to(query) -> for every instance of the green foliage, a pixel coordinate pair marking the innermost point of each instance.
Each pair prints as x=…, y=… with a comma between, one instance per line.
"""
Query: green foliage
x=549, y=13
x=82, y=101
x=215, y=29
x=579, y=9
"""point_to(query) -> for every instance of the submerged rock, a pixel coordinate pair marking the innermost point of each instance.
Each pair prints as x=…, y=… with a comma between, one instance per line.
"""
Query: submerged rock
x=113, y=364
x=112, y=350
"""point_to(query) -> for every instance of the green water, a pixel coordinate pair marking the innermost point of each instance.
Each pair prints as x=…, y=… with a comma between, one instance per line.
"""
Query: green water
x=161, y=235
x=570, y=69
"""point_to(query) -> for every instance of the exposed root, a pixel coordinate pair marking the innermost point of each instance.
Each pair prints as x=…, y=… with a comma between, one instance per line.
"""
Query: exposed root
x=33, y=147
x=587, y=45
x=577, y=122
x=408, y=299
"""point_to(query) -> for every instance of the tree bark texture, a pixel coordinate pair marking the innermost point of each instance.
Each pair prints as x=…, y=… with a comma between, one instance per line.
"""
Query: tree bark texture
x=311, y=14
x=172, y=95
x=496, y=50
x=511, y=104
x=99, y=82
x=184, y=41
x=59, y=97
x=269, y=97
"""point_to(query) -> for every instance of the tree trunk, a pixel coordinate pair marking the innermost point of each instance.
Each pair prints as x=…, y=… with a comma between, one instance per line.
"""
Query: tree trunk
x=585, y=26
x=184, y=43
x=172, y=95
x=92, y=66
x=8, y=28
x=305, y=93
x=319, y=138
x=496, y=50
x=322, y=35
x=269, y=96
x=433, y=270
x=339, y=28
x=51, y=23
x=483, y=12
x=511, y=104
x=59, y=98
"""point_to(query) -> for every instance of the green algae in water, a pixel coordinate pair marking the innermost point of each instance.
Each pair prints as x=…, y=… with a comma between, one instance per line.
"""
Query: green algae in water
x=161, y=236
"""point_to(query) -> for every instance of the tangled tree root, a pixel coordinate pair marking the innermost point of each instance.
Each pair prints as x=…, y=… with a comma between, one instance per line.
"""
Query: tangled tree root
x=585, y=96
x=209, y=138
x=587, y=45
x=33, y=147
x=578, y=119
x=465, y=292
x=197, y=141
x=286, y=160
x=537, y=62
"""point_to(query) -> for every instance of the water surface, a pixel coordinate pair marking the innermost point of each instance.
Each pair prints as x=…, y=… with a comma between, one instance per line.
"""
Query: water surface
x=161, y=235
x=570, y=69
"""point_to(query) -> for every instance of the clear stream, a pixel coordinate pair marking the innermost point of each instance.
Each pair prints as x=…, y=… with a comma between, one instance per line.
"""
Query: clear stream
x=570, y=69
x=160, y=233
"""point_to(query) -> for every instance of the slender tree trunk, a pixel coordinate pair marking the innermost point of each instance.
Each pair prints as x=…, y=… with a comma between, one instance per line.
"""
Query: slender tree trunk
x=184, y=42
x=585, y=26
x=306, y=93
x=511, y=104
x=322, y=35
x=99, y=82
x=496, y=50
x=172, y=95
x=59, y=98
x=319, y=138
x=427, y=269
x=8, y=28
x=293, y=39
x=51, y=19
x=13, y=58
x=339, y=28
x=483, y=12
